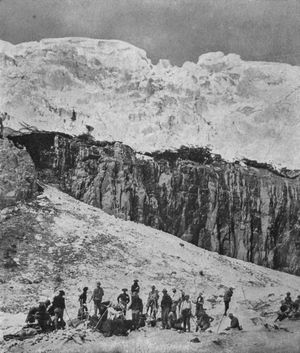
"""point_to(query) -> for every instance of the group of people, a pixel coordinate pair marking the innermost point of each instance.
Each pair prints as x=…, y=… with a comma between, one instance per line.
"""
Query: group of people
x=49, y=315
x=289, y=308
x=176, y=308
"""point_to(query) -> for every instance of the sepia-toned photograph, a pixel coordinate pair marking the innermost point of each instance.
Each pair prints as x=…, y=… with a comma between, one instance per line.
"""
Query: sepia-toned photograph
x=150, y=176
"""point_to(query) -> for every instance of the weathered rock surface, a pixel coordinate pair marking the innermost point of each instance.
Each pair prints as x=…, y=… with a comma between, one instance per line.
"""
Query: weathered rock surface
x=17, y=174
x=244, y=212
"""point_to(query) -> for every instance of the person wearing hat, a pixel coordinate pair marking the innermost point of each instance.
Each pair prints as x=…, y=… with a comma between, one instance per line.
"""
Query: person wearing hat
x=227, y=299
x=234, y=323
x=166, y=304
x=152, y=302
x=97, y=296
x=136, y=307
x=135, y=287
x=186, y=312
x=59, y=306
x=123, y=299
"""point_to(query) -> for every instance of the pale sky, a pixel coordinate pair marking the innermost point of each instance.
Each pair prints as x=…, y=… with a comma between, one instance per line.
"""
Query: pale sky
x=178, y=30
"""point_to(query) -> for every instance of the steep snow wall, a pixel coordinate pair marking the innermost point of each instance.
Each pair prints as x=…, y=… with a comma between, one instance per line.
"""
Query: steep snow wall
x=241, y=109
x=244, y=212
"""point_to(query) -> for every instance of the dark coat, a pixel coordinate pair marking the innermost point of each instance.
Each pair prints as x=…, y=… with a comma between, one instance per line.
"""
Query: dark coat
x=59, y=302
x=234, y=323
x=228, y=295
x=135, y=288
x=82, y=298
x=136, y=304
x=123, y=298
x=98, y=294
x=166, y=301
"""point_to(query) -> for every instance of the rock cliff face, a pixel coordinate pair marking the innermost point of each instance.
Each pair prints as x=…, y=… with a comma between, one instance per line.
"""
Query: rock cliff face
x=17, y=174
x=244, y=212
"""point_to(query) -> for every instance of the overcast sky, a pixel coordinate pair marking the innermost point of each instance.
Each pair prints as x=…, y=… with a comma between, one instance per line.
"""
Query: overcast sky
x=178, y=30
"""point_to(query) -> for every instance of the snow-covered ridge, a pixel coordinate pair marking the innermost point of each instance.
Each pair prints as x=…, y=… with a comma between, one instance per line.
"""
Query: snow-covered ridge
x=241, y=109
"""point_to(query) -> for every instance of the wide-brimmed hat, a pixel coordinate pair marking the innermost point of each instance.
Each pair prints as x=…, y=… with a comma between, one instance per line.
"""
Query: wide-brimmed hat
x=124, y=289
x=62, y=292
x=136, y=280
x=98, y=283
x=164, y=290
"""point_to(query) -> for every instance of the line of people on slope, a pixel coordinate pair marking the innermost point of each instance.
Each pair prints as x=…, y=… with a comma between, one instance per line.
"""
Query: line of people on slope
x=176, y=309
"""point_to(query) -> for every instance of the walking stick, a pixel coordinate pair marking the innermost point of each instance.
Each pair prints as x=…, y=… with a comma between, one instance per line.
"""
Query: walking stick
x=244, y=293
x=71, y=324
x=101, y=318
x=220, y=324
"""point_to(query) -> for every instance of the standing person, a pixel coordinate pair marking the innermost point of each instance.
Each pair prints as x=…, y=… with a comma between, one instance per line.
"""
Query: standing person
x=152, y=302
x=199, y=304
x=172, y=317
x=181, y=299
x=166, y=304
x=227, y=299
x=175, y=302
x=123, y=299
x=83, y=310
x=97, y=296
x=136, y=307
x=135, y=287
x=59, y=307
x=186, y=311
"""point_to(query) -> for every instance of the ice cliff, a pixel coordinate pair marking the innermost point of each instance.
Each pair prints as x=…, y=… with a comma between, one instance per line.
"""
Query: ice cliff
x=239, y=108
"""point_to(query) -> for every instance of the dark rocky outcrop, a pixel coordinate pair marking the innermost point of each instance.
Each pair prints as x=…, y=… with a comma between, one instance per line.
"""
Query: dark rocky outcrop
x=17, y=174
x=240, y=211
